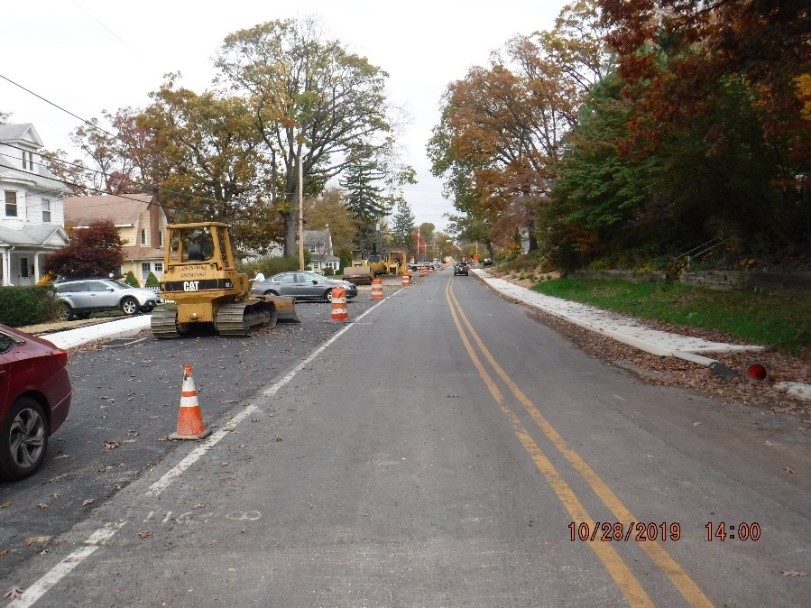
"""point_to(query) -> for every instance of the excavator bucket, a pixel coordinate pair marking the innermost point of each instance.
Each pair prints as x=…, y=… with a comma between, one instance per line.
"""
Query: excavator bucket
x=285, y=308
x=359, y=275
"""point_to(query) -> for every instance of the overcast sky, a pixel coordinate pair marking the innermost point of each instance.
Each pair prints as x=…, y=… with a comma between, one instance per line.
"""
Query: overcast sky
x=92, y=55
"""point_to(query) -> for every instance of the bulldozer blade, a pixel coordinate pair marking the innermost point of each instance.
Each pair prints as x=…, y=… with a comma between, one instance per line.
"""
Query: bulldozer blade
x=285, y=308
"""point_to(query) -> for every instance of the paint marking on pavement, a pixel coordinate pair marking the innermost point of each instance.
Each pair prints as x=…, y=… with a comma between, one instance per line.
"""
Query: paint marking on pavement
x=626, y=582
x=677, y=575
x=63, y=568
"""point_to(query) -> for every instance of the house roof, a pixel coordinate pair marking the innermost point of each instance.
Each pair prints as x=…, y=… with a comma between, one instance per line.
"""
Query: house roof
x=33, y=235
x=17, y=133
x=136, y=253
x=123, y=210
x=316, y=237
x=41, y=177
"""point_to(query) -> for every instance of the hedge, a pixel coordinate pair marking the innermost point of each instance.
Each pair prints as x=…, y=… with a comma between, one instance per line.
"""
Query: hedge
x=23, y=305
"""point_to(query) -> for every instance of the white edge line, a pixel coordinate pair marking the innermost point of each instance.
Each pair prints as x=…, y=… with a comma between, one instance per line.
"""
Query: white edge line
x=33, y=593
x=159, y=486
x=63, y=568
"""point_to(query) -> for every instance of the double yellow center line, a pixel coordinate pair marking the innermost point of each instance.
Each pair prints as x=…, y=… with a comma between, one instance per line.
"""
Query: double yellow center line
x=625, y=580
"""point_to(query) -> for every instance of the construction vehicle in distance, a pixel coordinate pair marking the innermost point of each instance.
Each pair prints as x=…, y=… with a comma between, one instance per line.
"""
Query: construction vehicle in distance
x=365, y=268
x=361, y=272
x=397, y=261
x=199, y=276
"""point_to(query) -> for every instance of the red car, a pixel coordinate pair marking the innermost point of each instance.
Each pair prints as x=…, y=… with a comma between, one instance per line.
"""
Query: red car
x=35, y=393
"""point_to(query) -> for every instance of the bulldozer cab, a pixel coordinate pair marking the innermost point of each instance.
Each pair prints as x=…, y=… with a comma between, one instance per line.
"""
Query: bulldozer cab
x=197, y=243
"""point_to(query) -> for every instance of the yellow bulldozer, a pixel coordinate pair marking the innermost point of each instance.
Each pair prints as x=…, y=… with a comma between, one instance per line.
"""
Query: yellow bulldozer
x=199, y=276
x=362, y=271
x=365, y=268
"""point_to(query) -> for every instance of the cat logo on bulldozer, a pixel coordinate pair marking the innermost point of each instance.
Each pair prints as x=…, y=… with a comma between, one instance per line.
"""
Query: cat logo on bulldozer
x=190, y=285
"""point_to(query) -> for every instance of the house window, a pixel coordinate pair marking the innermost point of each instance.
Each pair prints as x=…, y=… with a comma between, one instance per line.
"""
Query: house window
x=143, y=236
x=46, y=211
x=158, y=267
x=28, y=160
x=312, y=248
x=24, y=268
x=11, y=204
x=144, y=270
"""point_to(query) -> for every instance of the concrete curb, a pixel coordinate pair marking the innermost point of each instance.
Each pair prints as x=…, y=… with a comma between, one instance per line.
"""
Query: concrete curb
x=124, y=328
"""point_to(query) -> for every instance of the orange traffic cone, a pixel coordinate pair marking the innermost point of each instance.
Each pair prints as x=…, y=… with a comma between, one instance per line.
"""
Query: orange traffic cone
x=190, y=418
x=377, y=289
x=406, y=279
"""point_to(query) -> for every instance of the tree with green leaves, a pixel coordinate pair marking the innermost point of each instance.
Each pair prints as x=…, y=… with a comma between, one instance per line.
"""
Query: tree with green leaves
x=364, y=198
x=209, y=160
x=312, y=102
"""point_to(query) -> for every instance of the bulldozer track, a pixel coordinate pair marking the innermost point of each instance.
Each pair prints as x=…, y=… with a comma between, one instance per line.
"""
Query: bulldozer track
x=164, y=324
x=238, y=318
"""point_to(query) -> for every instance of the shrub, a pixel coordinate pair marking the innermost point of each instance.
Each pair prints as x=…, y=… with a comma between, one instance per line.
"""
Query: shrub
x=152, y=280
x=131, y=280
x=20, y=306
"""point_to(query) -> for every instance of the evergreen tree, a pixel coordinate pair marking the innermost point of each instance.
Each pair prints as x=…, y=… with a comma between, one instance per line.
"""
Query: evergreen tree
x=365, y=200
x=402, y=224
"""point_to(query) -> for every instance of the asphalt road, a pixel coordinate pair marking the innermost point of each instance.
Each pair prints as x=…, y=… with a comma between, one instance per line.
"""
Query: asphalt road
x=441, y=449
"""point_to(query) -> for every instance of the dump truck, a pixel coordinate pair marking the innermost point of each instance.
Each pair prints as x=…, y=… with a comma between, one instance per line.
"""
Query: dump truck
x=200, y=277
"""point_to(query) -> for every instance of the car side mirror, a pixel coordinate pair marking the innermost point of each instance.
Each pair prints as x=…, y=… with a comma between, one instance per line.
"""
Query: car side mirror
x=315, y=281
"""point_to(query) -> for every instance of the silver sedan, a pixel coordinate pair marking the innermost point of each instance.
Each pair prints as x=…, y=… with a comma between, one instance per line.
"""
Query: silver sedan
x=302, y=285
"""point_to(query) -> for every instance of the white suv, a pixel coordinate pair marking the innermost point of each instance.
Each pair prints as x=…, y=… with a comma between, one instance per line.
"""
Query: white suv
x=78, y=298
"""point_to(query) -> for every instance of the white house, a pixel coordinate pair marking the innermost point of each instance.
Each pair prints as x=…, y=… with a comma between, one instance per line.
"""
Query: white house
x=31, y=212
x=319, y=244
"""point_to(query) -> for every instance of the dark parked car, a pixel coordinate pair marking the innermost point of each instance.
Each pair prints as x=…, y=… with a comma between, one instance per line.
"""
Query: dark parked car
x=460, y=268
x=302, y=285
x=35, y=393
x=79, y=298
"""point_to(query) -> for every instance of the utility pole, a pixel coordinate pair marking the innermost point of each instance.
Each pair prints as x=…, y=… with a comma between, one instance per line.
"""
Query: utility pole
x=300, y=212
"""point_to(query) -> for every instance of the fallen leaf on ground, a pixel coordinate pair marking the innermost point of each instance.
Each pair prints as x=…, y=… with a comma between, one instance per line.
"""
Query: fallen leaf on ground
x=145, y=533
x=4, y=505
x=87, y=501
x=42, y=505
x=790, y=470
x=14, y=593
x=33, y=540
x=3, y=552
x=110, y=445
x=793, y=573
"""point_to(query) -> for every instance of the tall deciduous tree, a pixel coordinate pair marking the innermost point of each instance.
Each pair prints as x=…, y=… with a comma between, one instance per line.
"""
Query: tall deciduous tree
x=499, y=141
x=209, y=161
x=312, y=102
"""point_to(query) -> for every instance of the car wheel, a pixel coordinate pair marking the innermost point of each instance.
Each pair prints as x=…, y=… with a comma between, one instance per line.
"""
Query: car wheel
x=24, y=439
x=147, y=309
x=328, y=295
x=66, y=312
x=270, y=292
x=129, y=306
x=83, y=315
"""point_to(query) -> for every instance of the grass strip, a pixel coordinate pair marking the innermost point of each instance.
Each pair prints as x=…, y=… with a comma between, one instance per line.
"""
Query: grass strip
x=776, y=321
